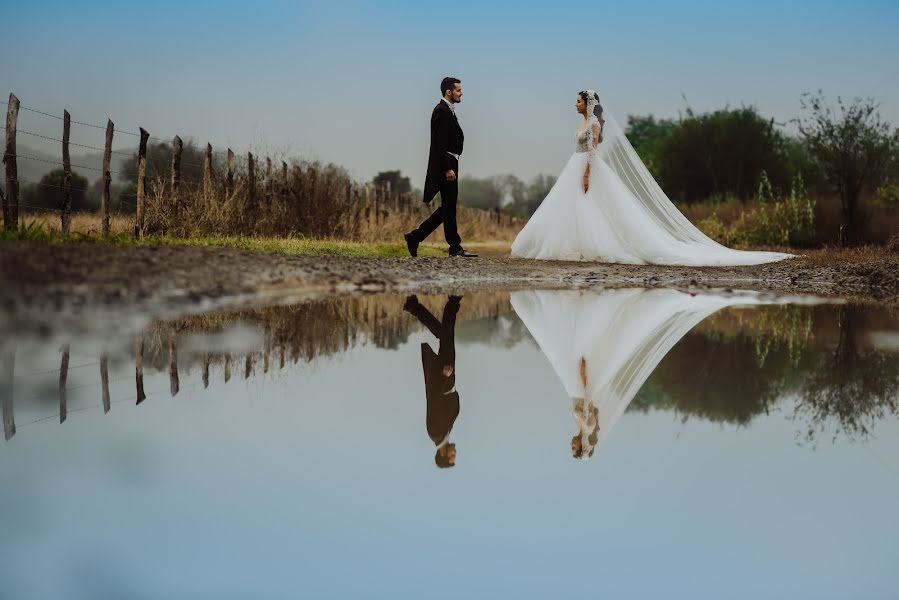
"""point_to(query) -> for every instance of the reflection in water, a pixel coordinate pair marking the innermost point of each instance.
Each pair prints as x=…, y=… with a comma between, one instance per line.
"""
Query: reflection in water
x=819, y=362
x=440, y=376
x=603, y=346
x=280, y=481
x=612, y=350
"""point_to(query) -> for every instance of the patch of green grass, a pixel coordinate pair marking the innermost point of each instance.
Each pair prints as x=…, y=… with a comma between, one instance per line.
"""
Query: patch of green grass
x=301, y=246
x=36, y=233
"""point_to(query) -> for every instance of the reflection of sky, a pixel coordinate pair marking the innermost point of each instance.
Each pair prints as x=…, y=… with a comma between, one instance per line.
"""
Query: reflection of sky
x=322, y=482
x=354, y=82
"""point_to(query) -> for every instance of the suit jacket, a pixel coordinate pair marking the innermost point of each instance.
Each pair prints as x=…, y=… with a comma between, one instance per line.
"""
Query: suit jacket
x=443, y=404
x=446, y=136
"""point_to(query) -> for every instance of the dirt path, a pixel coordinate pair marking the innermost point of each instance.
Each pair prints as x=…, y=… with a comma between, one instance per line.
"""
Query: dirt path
x=59, y=278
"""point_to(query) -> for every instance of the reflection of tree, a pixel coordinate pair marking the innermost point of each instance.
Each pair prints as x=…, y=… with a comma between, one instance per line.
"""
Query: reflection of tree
x=715, y=379
x=851, y=387
x=503, y=331
x=737, y=365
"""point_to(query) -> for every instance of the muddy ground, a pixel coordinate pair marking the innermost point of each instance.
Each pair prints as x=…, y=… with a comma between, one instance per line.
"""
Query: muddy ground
x=165, y=280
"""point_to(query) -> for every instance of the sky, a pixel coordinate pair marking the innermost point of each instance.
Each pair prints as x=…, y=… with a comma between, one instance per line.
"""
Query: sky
x=354, y=82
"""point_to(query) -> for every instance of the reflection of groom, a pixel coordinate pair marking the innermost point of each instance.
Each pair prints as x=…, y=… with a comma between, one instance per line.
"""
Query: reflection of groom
x=443, y=171
x=440, y=376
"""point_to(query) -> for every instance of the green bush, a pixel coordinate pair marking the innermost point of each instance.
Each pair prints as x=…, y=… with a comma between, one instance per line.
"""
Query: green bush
x=771, y=221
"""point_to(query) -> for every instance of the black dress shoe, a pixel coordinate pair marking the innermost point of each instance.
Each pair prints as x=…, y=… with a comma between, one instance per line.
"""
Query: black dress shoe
x=411, y=244
x=463, y=252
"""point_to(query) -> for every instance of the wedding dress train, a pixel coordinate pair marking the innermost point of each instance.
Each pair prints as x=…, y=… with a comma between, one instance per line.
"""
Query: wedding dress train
x=624, y=217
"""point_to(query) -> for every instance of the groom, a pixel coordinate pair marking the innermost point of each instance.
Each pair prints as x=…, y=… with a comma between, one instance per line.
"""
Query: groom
x=443, y=171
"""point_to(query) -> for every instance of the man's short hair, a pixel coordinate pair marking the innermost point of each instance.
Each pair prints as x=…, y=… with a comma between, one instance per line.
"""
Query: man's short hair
x=448, y=83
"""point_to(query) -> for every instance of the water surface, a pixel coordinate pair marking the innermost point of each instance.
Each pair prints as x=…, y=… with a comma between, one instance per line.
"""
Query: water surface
x=728, y=446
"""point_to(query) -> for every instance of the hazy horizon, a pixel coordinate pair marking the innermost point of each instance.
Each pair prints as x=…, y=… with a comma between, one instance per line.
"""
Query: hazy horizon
x=354, y=84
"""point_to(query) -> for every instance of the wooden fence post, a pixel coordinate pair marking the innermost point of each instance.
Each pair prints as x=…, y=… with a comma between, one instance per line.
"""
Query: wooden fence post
x=269, y=184
x=174, y=384
x=207, y=175
x=66, y=214
x=107, y=177
x=141, y=184
x=104, y=381
x=9, y=368
x=139, y=367
x=11, y=200
x=63, y=375
x=251, y=184
x=177, y=148
x=229, y=175
x=284, y=178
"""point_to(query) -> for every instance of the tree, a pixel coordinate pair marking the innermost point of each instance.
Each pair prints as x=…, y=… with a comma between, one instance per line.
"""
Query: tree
x=854, y=147
x=719, y=154
x=159, y=167
x=49, y=194
x=398, y=183
x=525, y=205
x=484, y=193
x=646, y=133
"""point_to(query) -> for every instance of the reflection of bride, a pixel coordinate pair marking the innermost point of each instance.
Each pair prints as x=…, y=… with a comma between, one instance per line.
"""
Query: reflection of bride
x=604, y=345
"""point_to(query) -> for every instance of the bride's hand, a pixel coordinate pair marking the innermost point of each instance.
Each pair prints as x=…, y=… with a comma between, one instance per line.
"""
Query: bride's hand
x=586, y=181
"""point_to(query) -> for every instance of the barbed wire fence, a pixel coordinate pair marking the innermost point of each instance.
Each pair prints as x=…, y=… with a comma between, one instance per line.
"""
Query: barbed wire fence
x=219, y=177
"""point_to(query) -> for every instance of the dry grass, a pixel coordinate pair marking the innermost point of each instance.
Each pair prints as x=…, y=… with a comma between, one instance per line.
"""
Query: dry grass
x=312, y=330
x=877, y=222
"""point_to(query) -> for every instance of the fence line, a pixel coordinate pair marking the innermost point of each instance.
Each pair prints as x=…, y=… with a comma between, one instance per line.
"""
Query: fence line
x=305, y=200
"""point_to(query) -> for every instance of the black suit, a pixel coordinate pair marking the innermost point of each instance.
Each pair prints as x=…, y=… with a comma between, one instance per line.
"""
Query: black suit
x=446, y=136
x=443, y=400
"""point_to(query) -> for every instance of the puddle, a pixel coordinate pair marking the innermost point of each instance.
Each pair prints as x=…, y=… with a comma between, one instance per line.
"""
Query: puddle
x=623, y=443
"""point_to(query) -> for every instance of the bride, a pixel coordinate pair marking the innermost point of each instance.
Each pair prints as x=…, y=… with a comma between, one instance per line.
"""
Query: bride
x=605, y=206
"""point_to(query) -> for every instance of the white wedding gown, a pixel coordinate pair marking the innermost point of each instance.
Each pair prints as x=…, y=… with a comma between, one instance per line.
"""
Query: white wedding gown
x=622, y=335
x=624, y=217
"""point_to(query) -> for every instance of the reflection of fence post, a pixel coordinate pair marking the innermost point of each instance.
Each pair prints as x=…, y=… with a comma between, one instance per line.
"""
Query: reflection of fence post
x=107, y=177
x=66, y=213
x=11, y=200
x=205, y=370
x=104, y=380
x=229, y=175
x=139, y=367
x=141, y=184
x=227, y=367
x=9, y=368
x=63, y=375
x=248, y=367
x=174, y=384
x=177, y=149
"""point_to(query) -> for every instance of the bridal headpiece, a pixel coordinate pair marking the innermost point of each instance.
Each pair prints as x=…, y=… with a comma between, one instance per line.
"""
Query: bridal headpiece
x=592, y=103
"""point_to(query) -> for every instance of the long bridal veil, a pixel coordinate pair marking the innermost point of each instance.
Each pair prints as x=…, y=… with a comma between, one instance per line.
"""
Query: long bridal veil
x=604, y=346
x=621, y=157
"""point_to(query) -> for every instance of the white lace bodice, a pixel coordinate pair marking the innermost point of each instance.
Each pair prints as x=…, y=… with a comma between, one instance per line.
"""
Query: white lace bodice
x=583, y=139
